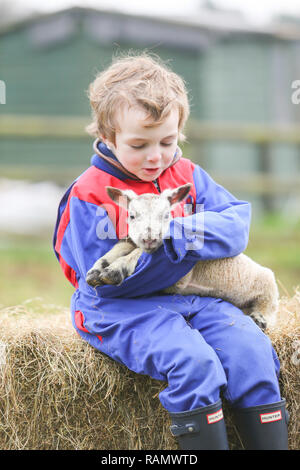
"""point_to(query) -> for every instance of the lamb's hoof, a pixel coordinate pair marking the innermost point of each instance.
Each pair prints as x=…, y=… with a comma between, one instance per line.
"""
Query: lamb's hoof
x=113, y=276
x=93, y=278
x=259, y=320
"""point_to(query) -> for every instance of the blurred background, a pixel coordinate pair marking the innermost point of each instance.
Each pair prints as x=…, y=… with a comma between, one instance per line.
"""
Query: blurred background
x=241, y=64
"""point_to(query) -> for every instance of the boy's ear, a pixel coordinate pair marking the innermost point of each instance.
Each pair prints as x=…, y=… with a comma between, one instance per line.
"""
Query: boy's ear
x=122, y=198
x=177, y=195
x=107, y=142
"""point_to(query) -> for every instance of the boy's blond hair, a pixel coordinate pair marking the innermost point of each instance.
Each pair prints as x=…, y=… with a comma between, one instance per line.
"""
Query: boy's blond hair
x=136, y=80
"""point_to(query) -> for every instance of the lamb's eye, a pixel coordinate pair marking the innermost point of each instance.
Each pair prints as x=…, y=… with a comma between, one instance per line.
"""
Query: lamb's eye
x=167, y=216
x=131, y=216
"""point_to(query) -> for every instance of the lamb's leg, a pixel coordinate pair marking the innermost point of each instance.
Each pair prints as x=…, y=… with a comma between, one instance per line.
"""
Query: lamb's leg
x=264, y=306
x=123, y=247
x=120, y=269
x=259, y=319
x=263, y=312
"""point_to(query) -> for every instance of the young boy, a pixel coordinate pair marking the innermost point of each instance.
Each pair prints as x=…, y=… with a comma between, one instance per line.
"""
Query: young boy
x=201, y=346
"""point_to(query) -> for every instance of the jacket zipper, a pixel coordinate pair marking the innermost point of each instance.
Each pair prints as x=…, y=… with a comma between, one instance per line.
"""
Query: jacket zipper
x=156, y=184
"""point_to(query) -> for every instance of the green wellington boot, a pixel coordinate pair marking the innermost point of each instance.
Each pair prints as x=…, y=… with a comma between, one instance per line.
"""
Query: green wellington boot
x=200, y=429
x=263, y=427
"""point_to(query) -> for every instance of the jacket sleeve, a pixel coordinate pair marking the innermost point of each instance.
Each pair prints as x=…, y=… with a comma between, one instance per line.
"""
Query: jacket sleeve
x=218, y=229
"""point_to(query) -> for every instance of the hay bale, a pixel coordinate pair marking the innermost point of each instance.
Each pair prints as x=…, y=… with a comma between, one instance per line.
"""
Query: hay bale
x=57, y=392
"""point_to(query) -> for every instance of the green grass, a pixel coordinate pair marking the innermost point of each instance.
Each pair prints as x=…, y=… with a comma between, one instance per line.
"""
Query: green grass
x=275, y=242
x=29, y=268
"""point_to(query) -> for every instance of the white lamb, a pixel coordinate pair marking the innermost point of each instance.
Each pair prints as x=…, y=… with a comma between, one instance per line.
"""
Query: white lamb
x=239, y=280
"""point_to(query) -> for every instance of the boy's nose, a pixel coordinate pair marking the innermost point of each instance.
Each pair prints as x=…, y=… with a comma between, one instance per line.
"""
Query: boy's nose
x=154, y=156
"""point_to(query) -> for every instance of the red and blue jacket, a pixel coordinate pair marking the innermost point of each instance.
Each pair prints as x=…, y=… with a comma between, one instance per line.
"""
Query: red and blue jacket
x=89, y=224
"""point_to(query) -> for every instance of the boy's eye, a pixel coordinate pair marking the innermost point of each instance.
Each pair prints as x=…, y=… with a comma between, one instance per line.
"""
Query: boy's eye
x=138, y=146
x=164, y=144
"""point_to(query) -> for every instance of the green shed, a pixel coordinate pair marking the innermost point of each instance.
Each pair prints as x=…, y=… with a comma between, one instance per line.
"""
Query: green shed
x=236, y=76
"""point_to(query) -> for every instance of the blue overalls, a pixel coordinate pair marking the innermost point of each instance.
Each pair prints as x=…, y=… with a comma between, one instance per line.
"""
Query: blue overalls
x=200, y=346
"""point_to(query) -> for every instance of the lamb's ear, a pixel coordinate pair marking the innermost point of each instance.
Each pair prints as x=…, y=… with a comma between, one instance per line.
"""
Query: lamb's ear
x=122, y=198
x=177, y=195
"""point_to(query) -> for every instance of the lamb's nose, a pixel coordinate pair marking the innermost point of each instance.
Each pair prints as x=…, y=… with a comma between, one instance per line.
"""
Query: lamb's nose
x=149, y=241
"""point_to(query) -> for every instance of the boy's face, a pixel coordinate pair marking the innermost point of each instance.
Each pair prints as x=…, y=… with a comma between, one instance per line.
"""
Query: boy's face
x=145, y=151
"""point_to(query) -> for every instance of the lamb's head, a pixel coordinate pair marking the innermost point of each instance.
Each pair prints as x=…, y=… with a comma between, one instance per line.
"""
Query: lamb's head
x=149, y=215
